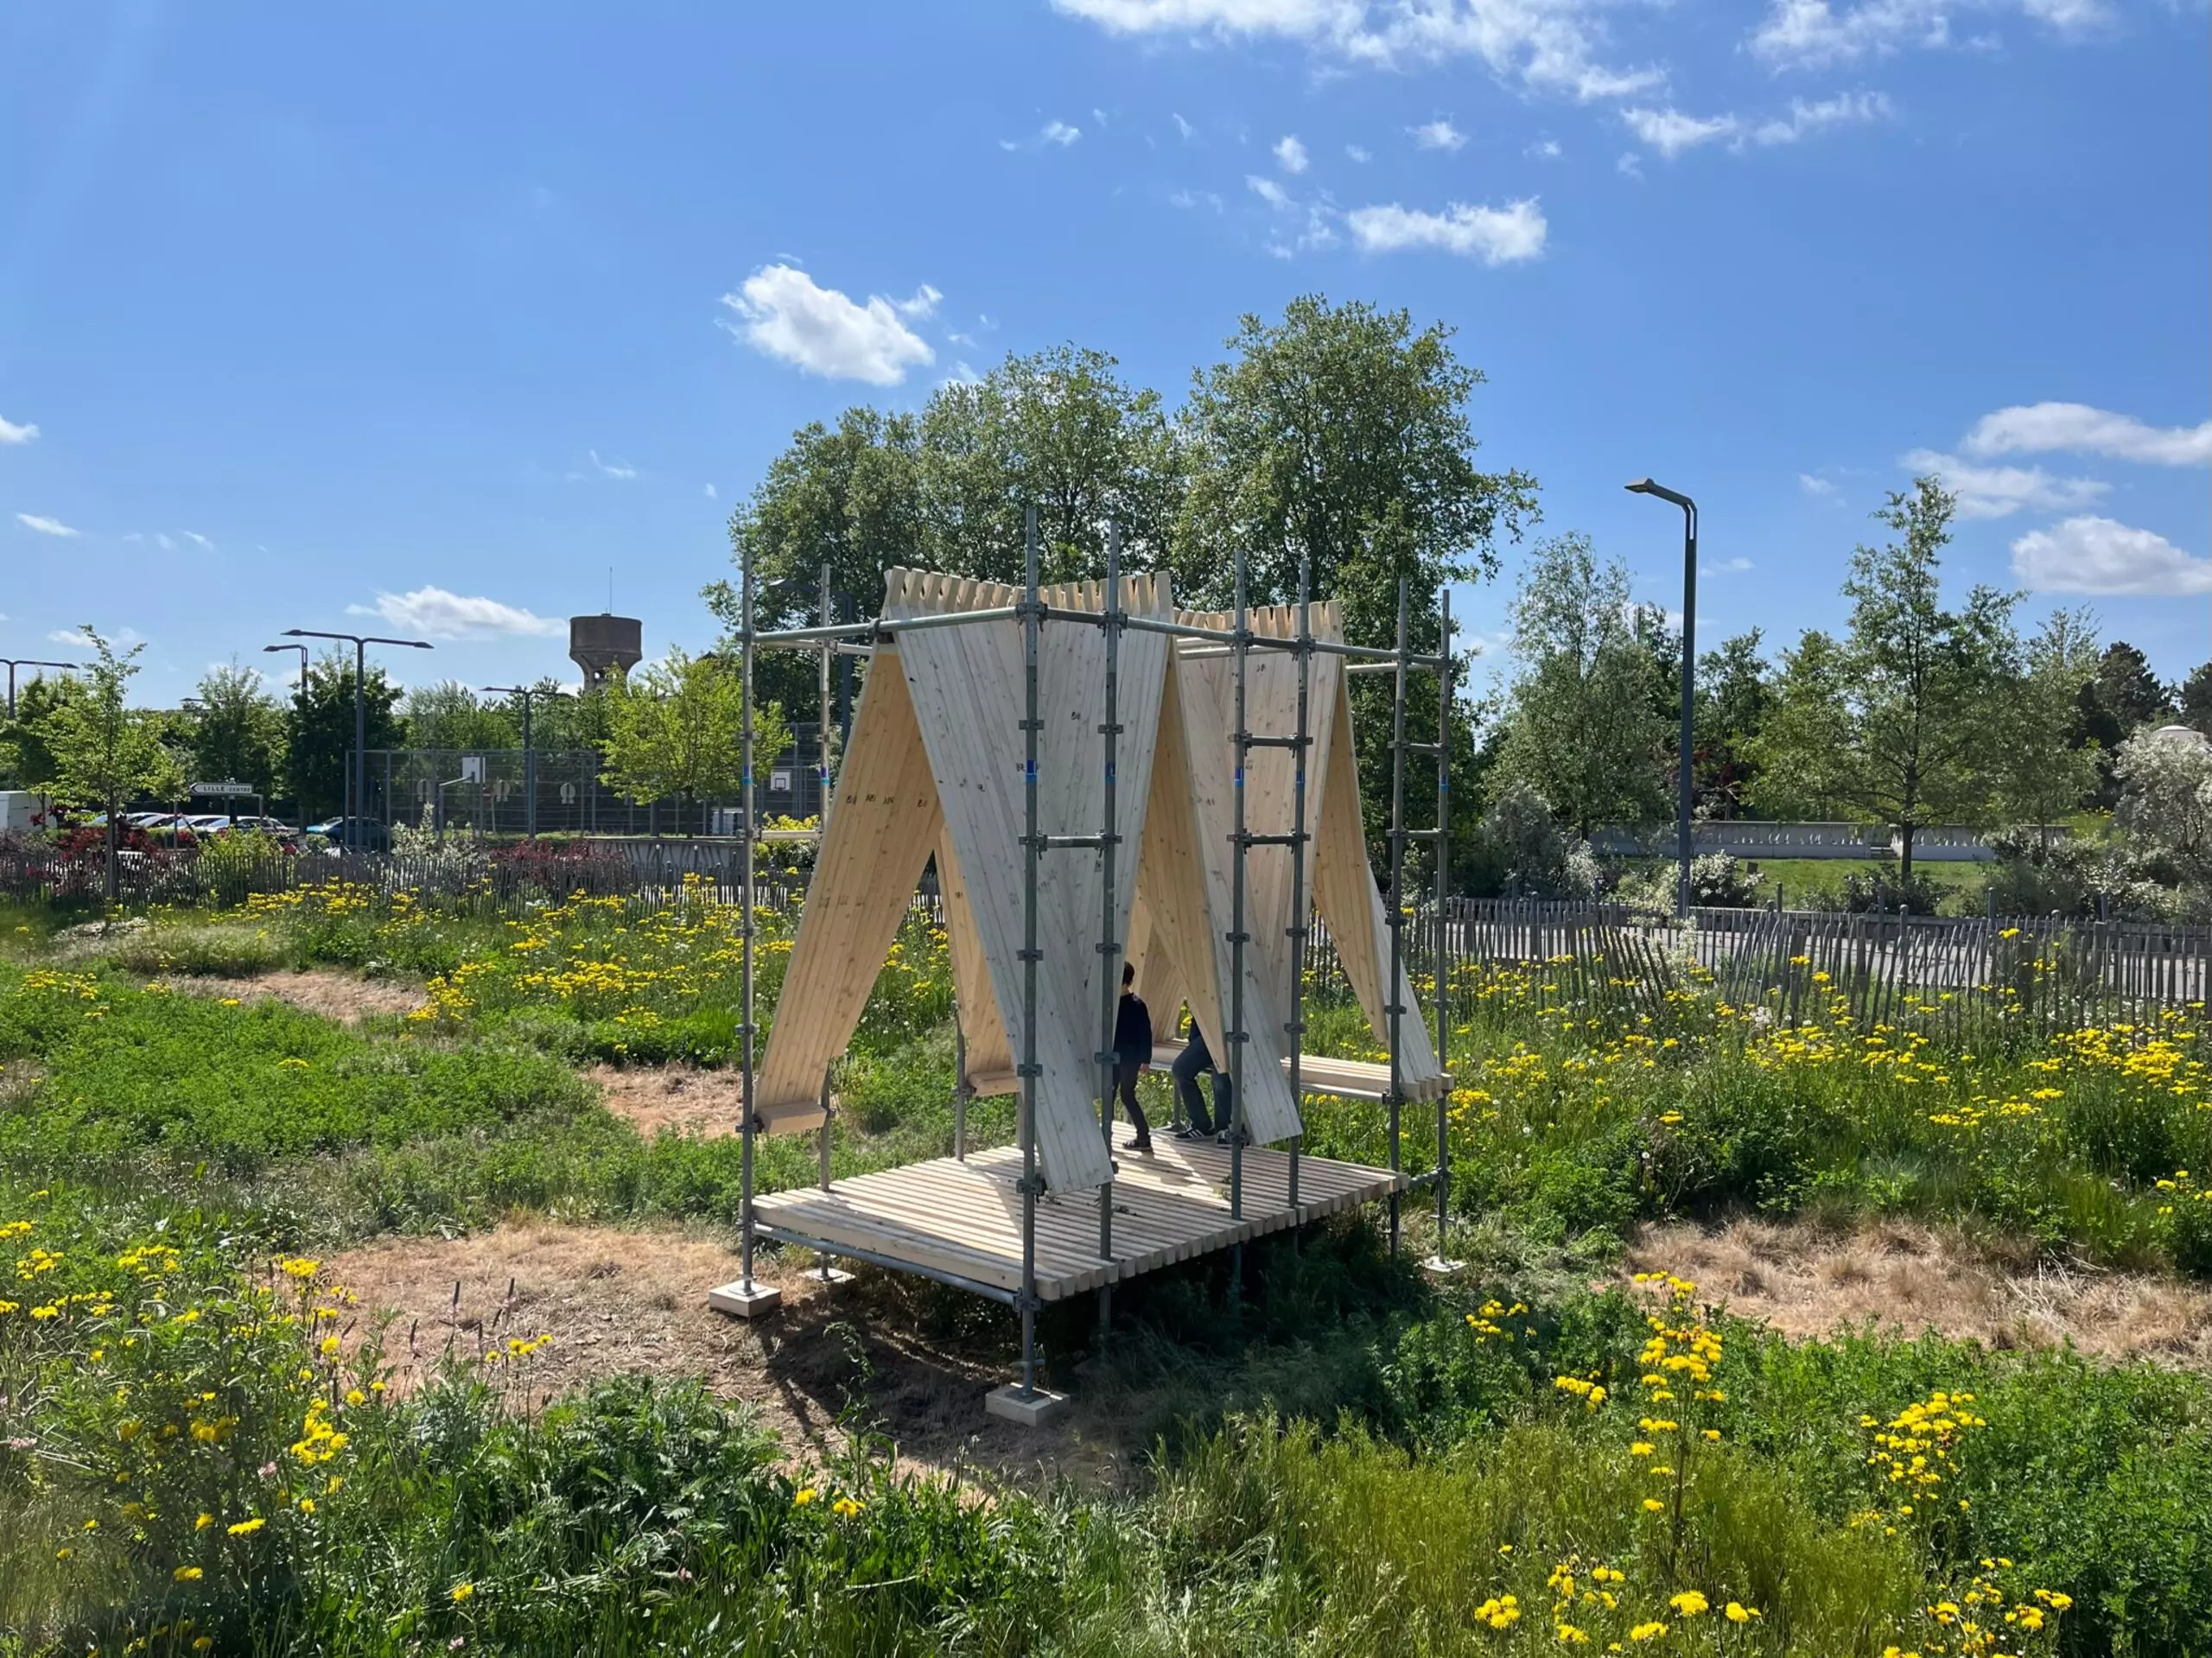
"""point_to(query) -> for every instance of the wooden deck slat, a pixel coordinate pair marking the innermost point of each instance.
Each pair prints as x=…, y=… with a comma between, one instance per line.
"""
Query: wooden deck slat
x=965, y=1218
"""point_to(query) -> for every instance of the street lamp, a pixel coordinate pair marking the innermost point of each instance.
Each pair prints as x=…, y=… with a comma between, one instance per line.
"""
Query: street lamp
x=361, y=643
x=15, y=662
x=303, y=650
x=528, y=694
x=1689, y=677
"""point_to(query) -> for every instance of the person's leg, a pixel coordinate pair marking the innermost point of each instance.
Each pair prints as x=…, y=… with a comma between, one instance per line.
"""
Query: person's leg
x=1224, y=1100
x=1188, y=1064
x=1126, y=1074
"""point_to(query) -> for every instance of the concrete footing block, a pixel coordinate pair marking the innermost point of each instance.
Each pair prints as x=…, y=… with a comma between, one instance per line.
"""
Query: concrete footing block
x=1437, y=1267
x=741, y=1303
x=827, y=1279
x=1010, y=1404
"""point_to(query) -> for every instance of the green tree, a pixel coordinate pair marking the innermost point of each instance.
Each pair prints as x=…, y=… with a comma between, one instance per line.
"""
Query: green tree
x=2125, y=697
x=1897, y=722
x=1340, y=435
x=29, y=760
x=1581, y=730
x=105, y=751
x=2042, y=771
x=1734, y=690
x=319, y=759
x=237, y=732
x=448, y=714
x=2165, y=804
x=676, y=728
x=2196, y=698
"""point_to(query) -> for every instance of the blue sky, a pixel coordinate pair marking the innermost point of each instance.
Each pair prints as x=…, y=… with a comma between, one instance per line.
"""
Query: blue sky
x=438, y=315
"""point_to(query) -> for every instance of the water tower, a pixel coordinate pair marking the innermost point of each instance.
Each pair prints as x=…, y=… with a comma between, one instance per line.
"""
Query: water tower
x=604, y=647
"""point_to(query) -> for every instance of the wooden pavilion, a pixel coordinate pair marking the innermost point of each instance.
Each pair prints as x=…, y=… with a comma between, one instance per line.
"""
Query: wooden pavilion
x=1096, y=775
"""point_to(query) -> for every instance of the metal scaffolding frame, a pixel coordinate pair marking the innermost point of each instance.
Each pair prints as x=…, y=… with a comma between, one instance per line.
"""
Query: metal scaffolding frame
x=828, y=638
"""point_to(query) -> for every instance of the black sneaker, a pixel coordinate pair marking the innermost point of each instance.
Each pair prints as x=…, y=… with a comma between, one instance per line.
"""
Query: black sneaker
x=1141, y=1148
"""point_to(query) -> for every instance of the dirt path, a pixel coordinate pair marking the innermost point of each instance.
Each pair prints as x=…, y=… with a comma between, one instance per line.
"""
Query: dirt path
x=1806, y=1282
x=617, y=1302
x=343, y=996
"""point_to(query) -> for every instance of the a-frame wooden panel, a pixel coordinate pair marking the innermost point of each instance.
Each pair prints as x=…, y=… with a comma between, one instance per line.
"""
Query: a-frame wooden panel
x=967, y=688
x=990, y=1058
x=1352, y=907
x=1204, y=688
x=1170, y=937
x=872, y=852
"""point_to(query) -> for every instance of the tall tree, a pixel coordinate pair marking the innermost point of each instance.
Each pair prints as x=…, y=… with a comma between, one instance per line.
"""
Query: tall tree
x=105, y=751
x=1734, y=692
x=450, y=714
x=1582, y=729
x=676, y=728
x=1895, y=723
x=2044, y=771
x=2195, y=698
x=238, y=731
x=2125, y=697
x=30, y=761
x=318, y=762
x=1341, y=436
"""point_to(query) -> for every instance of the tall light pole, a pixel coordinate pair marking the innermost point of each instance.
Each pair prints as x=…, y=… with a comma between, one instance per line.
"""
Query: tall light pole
x=1645, y=486
x=303, y=650
x=529, y=754
x=361, y=643
x=15, y=662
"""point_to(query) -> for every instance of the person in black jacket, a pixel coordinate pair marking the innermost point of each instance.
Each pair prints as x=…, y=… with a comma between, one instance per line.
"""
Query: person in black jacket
x=1133, y=1052
x=1189, y=1063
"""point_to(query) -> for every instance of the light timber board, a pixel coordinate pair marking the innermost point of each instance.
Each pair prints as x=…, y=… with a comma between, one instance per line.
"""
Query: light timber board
x=964, y=1218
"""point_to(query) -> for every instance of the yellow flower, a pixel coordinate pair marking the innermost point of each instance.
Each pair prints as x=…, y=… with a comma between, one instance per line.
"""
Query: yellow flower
x=306, y=1505
x=203, y=1643
x=1736, y=1612
x=187, y=1574
x=1689, y=1603
x=845, y=1508
x=804, y=1495
x=203, y=1523
x=1651, y=1631
x=1652, y=1505
x=247, y=1528
x=461, y=1591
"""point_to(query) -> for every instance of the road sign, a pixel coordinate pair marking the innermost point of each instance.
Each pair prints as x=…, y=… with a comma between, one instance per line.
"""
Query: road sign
x=231, y=789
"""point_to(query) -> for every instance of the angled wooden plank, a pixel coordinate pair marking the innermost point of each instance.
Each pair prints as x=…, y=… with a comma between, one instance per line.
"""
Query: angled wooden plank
x=981, y=1029
x=873, y=851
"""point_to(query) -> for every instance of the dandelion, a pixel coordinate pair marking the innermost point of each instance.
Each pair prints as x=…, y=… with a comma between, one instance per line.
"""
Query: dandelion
x=187, y=1574
x=1651, y=1631
x=845, y=1508
x=204, y=1521
x=804, y=1495
x=1736, y=1612
x=247, y=1528
x=462, y=1591
x=1689, y=1603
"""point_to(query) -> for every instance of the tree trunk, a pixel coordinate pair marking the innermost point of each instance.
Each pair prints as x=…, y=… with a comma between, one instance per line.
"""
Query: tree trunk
x=114, y=854
x=1904, y=859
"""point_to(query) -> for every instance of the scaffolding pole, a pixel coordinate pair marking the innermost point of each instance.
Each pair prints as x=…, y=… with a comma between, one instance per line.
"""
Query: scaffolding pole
x=822, y=810
x=1442, y=1260
x=746, y=830
x=1295, y=1027
x=1109, y=947
x=1032, y=846
x=1394, y=1007
x=1233, y=1035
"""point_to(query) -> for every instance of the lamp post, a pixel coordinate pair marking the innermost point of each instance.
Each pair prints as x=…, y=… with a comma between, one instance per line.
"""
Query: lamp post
x=361, y=643
x=15, y=662
x=1645, y=486
x=529, y=754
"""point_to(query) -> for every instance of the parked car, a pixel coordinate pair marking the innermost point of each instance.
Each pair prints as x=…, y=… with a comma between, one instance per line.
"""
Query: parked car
x=338, y=834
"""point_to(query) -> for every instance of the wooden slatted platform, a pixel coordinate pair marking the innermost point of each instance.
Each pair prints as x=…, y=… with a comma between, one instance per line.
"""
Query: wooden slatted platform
x=964, y=1218
x=1349, y=1079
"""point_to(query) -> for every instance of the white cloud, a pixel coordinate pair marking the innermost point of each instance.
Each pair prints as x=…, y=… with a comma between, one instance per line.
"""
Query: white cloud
x=1058, y=132
x=441, y=615
x=1818, y=488
x=1190, y=199
x=83, y=641
x=2094, y=554
x=1809, y=33
x=198, y=540
x=1183, y=127
x=1550, y=45
x=162, y=540
x=1497, y=235
x=1269, y=192
x=1726, y=566
x=44, y=526
x=1359, y=154
x=12, y=433
x=782, y=313
x=1290, y=155
x=2043, y=428
x=2000, y=491
x=1439, y=133
x=1544, y=150
x=922, y=306
x=1630, y=165
x=709, y=492
x=620, y=471
x=1844, y=109
x=1670, y=132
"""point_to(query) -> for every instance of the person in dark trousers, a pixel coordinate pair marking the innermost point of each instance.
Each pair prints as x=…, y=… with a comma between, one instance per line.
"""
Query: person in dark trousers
x=1132, y=1053
x=1193, y=1059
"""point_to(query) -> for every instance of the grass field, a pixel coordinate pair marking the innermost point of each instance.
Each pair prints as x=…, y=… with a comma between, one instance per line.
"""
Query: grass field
x=207, y=1443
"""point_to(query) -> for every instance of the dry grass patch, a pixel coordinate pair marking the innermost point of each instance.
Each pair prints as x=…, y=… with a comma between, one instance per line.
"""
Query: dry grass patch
x=706, y=1104
x=342, y=996
x=1807, y=1281
x=619, y=1302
